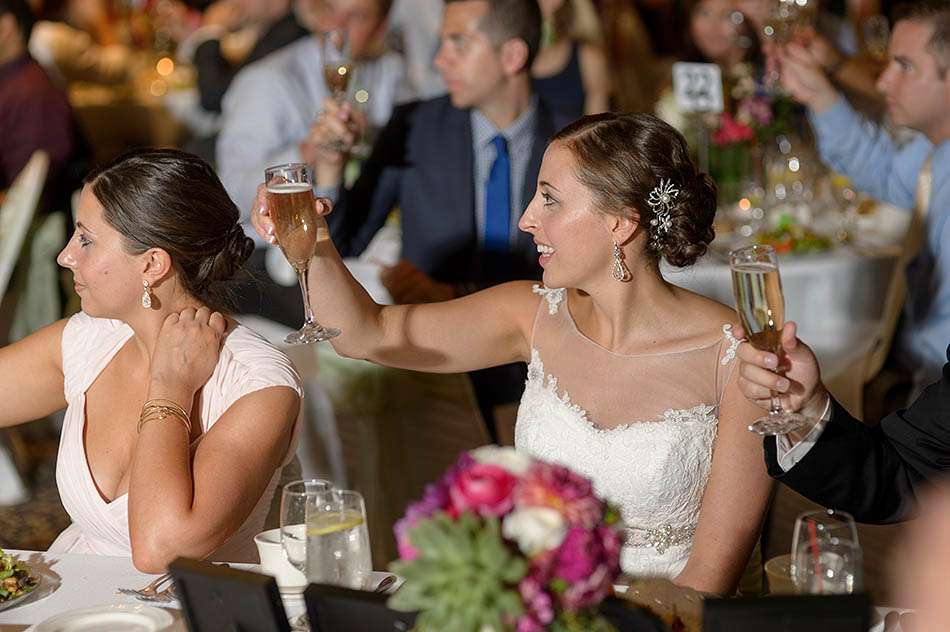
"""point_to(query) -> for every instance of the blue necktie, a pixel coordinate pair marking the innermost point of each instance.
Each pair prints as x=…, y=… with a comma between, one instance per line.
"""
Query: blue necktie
x=498, y=198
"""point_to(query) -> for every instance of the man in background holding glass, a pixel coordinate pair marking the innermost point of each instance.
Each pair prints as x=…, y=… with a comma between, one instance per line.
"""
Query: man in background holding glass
x=269, y=109
x=460, y=168
x=916, y=86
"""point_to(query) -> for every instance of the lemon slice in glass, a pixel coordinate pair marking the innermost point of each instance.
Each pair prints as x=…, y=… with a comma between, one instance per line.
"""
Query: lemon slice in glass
x=332, y=522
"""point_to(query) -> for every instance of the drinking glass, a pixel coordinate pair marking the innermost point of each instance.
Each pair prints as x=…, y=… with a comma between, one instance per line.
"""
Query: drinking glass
x=337, y=62
x=298, y=229
x=294, y=500
x=761, y=307
x=877, y=36
x=338, y=550
x=826, y=555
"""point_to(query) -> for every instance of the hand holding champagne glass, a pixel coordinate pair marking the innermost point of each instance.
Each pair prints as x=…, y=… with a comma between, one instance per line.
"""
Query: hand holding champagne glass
x=761, y=307
x=298, y=228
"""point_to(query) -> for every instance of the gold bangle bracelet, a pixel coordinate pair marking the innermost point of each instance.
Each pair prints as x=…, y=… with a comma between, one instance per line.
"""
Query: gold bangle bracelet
x=162, y=409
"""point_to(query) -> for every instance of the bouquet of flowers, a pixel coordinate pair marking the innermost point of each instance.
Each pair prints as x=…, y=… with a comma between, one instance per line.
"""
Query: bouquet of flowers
x=504, y=542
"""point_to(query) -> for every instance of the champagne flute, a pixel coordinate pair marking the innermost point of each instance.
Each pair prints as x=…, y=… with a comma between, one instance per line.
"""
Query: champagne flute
x=337, y=62
x=826, y=555
x=761, y=306
x=298, y=229
x=294, y=501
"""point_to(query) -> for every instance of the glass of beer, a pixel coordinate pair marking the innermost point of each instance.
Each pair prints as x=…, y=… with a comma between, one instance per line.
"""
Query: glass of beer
x=298, y=229
x=761, y=307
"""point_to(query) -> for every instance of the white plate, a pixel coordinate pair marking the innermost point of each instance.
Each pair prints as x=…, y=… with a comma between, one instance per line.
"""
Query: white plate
x=120, y=617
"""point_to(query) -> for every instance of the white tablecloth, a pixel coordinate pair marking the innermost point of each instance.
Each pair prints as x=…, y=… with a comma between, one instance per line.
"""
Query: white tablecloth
x=71, y=581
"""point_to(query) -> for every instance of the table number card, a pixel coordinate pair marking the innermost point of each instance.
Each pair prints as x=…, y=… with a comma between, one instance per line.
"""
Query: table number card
x=698, y=87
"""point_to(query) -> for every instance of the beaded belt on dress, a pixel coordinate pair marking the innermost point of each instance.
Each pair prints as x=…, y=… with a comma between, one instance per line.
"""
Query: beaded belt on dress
x=661, y=538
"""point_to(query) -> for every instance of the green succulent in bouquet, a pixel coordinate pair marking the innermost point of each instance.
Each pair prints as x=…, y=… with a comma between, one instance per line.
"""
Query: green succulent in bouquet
x=465, y=577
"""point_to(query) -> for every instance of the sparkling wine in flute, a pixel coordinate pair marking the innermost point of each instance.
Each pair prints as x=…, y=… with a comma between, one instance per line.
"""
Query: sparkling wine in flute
x=296, y=223
x=761, y=307
x=337, y=78
x=298, y=228
x=760, y=303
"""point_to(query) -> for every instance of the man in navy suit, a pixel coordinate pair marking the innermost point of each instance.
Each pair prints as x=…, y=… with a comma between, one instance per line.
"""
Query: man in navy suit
x=460, y=168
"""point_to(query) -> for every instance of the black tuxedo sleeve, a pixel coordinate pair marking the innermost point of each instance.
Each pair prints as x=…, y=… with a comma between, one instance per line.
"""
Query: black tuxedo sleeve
x=362, y=210
x=875, y=473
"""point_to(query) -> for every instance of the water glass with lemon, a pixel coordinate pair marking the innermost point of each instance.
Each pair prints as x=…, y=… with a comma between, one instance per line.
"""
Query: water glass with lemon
x=338, y=550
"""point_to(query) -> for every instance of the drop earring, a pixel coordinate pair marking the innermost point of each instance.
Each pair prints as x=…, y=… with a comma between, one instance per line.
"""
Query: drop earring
x=146, y=296
x=620, y=270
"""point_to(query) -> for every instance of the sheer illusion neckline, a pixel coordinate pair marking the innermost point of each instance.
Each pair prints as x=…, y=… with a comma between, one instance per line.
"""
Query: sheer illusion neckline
x=536, y=373
x=566, y=304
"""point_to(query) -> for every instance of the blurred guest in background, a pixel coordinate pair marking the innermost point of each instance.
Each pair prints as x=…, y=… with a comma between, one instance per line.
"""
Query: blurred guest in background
x=271, y=105
x=459, y=168
x=270, y=24
x=34, y=113
x=916, y=85
x=414, y=32
x=79, y=40
x=571, y=72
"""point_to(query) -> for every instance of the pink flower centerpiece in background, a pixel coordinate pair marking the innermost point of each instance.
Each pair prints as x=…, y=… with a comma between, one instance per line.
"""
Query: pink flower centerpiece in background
x=505, y=542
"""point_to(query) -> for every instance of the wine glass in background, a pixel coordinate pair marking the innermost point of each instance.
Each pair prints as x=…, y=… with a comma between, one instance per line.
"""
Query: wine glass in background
x=298, y=229
x=294, y=501
x=826, y=555
x=876, y=32
x=338, y=550
x=337, y=62
x=846, y=198
x=761, y=307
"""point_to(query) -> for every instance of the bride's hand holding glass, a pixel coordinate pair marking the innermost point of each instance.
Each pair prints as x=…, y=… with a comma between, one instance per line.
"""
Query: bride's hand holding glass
x=799, y=384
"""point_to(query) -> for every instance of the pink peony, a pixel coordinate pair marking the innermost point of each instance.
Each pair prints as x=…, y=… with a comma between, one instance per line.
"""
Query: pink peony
x=484, y=489
x=555, y=486
x=754, y=112
x=731, y=131
x=588, y=561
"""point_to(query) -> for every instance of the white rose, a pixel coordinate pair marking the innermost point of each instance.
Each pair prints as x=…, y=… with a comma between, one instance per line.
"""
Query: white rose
x=535, y=529
x=507, y=458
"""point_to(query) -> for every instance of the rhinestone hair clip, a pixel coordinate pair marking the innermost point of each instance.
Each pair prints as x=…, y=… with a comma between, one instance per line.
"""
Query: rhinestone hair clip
x=661, y=200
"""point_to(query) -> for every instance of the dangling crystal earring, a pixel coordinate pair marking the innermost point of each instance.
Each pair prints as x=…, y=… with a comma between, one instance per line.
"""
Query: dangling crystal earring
x=620, y=271
x=146, y=296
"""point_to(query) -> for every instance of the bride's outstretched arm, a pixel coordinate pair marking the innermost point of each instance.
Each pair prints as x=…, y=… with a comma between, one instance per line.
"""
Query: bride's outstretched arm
x=31, y=376
x=734, y=502
x=484, y=329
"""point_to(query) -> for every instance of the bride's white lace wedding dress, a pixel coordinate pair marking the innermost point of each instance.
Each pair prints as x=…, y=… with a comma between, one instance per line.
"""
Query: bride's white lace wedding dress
x=642, y=427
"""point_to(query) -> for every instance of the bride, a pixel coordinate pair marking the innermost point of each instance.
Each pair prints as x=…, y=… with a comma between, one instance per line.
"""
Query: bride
x=631, y=380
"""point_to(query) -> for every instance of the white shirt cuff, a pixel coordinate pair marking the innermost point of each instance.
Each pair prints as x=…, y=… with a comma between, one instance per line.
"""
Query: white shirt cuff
x=787, y=454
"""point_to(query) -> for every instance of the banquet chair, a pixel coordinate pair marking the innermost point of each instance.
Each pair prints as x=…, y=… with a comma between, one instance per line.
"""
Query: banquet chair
x=16, y=216
x=17, y=212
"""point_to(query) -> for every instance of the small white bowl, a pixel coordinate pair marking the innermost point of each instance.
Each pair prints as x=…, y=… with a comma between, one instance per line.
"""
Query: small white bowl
x=275, y=564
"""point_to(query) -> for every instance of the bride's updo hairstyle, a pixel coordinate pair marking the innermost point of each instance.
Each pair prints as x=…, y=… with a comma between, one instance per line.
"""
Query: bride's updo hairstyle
x=169, y=199
x=622, y=159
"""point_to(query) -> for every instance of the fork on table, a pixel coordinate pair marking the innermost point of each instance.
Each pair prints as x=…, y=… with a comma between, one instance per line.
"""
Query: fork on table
x=151, y=592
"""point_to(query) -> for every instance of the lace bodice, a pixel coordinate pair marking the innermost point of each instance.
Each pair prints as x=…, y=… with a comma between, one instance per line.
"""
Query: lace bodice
x=654, y=464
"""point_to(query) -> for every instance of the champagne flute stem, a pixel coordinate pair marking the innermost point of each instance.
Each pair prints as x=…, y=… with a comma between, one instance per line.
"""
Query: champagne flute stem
x=303, y=278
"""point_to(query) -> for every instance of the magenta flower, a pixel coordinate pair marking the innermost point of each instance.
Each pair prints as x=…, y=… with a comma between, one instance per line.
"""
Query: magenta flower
x=731, y=131
x=555, y=486
x=483, y=489
x=588, y=561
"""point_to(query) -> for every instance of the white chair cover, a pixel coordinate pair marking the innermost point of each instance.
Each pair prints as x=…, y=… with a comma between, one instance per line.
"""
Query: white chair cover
x=17, y=212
